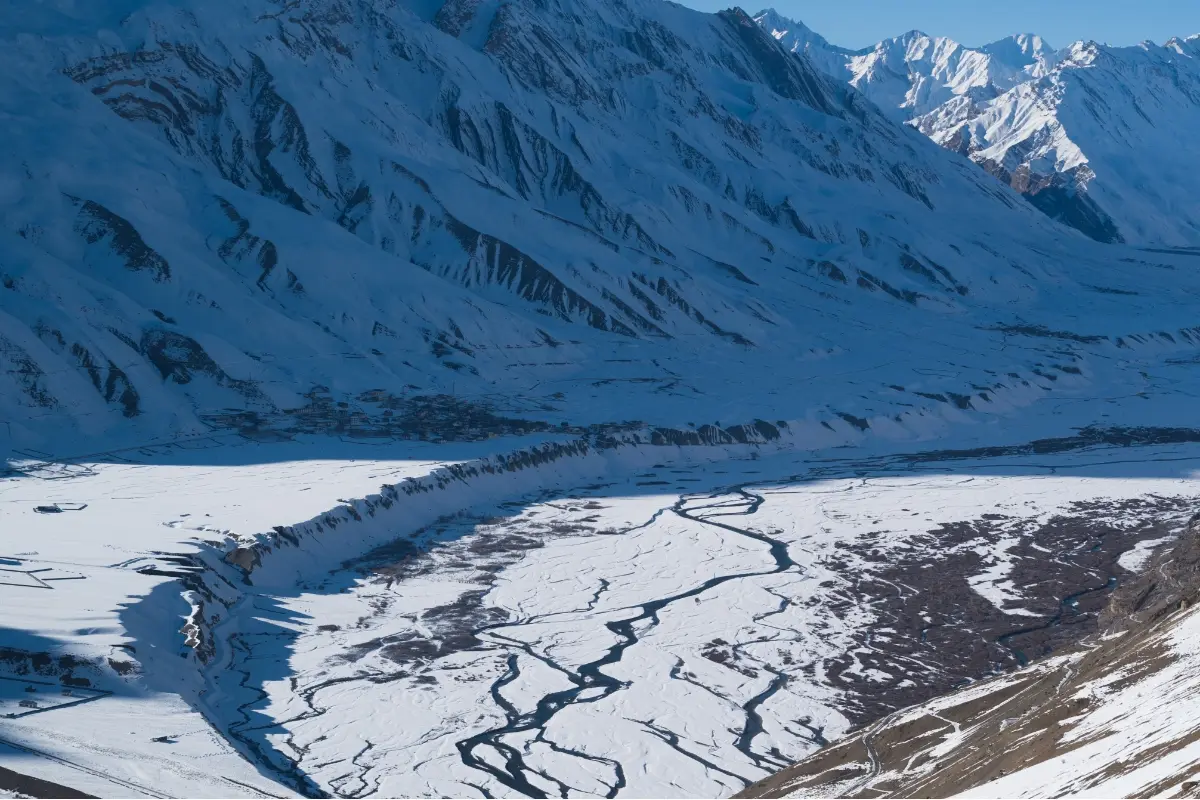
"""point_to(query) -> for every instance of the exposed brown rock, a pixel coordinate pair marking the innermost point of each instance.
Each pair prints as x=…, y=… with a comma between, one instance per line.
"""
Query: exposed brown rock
x=1017, y=719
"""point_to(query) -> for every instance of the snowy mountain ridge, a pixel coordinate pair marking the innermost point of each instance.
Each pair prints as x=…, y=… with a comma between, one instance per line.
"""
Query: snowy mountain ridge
x=915, y=73
x=1091, y=134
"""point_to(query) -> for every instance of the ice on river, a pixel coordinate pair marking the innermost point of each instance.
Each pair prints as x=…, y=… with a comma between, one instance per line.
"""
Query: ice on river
x=656, y=640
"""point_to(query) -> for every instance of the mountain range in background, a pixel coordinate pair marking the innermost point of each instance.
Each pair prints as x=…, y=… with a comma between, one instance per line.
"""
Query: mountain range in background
x=1101, y=138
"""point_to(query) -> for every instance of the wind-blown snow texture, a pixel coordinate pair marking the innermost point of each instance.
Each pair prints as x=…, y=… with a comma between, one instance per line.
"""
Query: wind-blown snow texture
x=1098, y=137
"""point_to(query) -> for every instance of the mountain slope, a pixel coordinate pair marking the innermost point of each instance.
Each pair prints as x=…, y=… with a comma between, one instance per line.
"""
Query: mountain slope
x=328, y=215
x=1114, y=718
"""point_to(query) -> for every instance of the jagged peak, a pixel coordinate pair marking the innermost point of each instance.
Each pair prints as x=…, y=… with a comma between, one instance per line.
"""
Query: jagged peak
x=776, y=24
x=797, y=34
x=799, y=38
x=1031, y=42
x=1020, y=52
x=1029, y=45
x=905, y=39
x=1186, y=46
x=914, y=44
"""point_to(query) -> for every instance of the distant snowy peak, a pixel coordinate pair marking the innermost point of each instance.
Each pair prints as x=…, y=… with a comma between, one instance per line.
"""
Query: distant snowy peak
x=799, y=38
x=1081, y=131
x=1189, y=45
x=1097, y=141
x=790, y=31
x=914, y=73
x=1021, y=51
x=1186, y=46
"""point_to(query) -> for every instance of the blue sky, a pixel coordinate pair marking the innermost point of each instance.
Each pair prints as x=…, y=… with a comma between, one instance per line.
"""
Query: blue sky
x=859, y=23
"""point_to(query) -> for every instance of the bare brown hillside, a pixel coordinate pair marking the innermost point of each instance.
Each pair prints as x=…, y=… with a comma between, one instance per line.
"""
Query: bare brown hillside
x=1118, y=715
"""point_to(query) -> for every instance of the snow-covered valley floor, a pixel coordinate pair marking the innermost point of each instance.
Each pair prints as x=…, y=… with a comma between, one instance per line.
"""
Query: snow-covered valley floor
x=94, y=588
x=667, y=630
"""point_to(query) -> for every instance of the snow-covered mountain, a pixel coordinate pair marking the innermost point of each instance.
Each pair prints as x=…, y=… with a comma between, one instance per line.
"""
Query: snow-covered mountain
x=913, y=74
x=1095, y=136
x=214, y=222
x=730, y=387
x=1103, y=142
x=210, y=222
